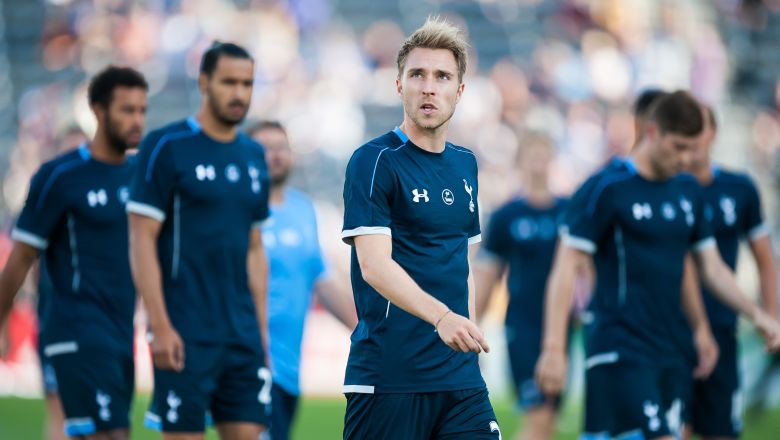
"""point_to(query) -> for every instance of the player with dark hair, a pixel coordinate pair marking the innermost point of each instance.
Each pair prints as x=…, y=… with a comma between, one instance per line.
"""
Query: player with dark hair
x=74, y=216
x=636, y=219
x=196, y=204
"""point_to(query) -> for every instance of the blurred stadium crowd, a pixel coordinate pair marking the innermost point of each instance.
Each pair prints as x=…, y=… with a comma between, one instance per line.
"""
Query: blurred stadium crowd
x=326, y=69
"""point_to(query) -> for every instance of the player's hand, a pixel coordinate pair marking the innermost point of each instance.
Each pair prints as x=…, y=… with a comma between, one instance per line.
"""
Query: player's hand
x=769, y=328
x=167, y=349
x=707, y=351
x=551, y=371
x=460, y=334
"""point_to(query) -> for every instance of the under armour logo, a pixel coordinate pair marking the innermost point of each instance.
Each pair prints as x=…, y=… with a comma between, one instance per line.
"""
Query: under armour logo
x=729, y=208
x=103, y=400
x=494, y=428
x=642, y=211
x=173, y=402
x=420, y=195
x=468, y=190
x=97, y=197
x=205, y=172
x=651, y=412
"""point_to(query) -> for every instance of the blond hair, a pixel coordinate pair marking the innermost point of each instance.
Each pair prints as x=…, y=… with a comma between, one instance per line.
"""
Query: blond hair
x=436, y=33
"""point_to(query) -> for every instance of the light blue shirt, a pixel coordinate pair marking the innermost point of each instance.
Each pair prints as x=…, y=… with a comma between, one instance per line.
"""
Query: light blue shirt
x=295, y=263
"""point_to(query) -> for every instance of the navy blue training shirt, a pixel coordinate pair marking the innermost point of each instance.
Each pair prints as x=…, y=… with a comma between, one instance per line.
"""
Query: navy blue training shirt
x=208, y=196
x=638, y=232
x=75, y=214
x=524, y=237
x=427, y=203
x=733, y=208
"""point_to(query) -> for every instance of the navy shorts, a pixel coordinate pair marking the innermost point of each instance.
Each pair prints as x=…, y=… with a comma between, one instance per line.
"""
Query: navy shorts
x=95, y=387
x=230, y=382
x=716, y=409
x=627, y=400
x=523, y=348
x=450, y=415
x=282, y=413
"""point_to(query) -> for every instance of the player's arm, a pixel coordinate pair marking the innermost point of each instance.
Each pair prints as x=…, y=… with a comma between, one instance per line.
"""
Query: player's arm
x=696, y=314
x=551, y=368
x=384, y=274
x=718, y=279
x=19, y=262
x=167, y=346
x=337, y=299
x=487, y=273
x=257, y=271
x=761, y=248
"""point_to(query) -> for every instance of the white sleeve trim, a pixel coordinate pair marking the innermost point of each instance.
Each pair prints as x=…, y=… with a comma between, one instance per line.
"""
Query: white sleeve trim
x=27, y=237
x=579, y=243
x=475, y=239
x=361, y=389
x=757, y=232
x=348, y=235
x=703, y=244
x=145, y=210
x=601, y=359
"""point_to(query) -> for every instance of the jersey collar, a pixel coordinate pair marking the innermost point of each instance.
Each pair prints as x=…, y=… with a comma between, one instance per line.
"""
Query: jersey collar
x=193, y=123
x=401, y=135
x=84, y=152
x=630, y=164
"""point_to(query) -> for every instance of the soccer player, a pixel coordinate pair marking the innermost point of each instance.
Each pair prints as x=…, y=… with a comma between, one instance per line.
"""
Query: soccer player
x=197, y=199
x=522, y=236
x=297, y=271
x=636, y=219
x=411, y=214
x=74, y=215
x=733, y=207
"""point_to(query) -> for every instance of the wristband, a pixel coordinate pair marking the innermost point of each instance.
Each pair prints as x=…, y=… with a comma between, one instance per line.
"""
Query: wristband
x=436, y=326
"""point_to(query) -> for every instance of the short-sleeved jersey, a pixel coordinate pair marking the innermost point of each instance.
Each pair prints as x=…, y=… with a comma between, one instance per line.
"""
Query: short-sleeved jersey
x=427, y=203
x=638, y=232
x=524, y=236
x=295, y=261
x=208, y=196
x=733, y=207
x=45, y=293
x=75, y=214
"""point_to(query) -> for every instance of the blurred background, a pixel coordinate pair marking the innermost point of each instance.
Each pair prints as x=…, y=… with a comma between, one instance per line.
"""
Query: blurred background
x=326, y=69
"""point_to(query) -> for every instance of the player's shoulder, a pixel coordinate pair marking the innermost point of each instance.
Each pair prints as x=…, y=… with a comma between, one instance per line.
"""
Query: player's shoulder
x=64, y=162
x=298, y=197
x=371, y=151
x=615, y=171
x=732, y=177
x=175, y=130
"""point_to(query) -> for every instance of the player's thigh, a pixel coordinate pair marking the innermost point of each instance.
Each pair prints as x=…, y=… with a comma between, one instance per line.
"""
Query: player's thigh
x=243, y=393
x=624, y=400
x=717, y=401
x=239, y=431
x=391, y=416
x=95, y=390
x=181, y=399
x=283, y=409
x=523, y=354
x=468, y=416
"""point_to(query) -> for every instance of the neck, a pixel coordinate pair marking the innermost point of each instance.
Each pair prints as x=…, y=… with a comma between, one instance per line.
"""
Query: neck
x=644, y=163
x=432, y=139
x=537, y=192
x=214, y=127
x=276, y=195
x=102, y=151
x=704, y=174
